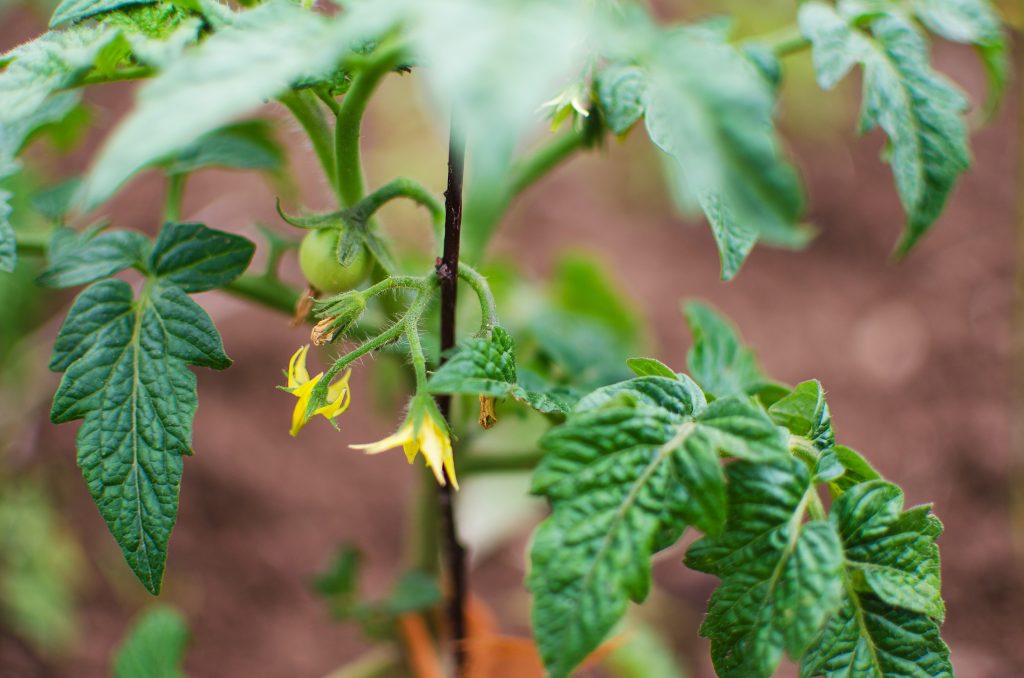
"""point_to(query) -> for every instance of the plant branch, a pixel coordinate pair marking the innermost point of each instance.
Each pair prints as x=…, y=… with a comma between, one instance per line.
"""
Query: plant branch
x=472, y=464
x=265, y=290
x=448, y=275
x=175, y=197
x=403, y=188
x=784, y=42
x=349, y=173
x=488, y=309
x=311, y=117
x=526, y=172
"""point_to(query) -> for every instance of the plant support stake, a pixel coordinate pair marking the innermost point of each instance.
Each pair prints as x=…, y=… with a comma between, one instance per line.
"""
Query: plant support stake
x=448, y=274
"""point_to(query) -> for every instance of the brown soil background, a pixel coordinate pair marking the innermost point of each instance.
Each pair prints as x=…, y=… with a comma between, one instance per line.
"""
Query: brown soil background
x=916, y=358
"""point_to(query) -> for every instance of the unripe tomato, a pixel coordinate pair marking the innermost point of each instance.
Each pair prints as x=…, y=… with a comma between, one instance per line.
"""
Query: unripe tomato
x=318, y=259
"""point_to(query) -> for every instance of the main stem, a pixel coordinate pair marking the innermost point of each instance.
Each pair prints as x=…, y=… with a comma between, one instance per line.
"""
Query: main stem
x=448, y=275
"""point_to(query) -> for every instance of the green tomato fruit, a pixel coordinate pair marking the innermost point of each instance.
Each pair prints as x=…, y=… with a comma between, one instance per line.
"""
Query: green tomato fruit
x=318, y=259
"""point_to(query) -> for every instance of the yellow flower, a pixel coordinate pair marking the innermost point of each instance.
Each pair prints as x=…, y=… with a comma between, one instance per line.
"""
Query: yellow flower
x=301, y=386
x=424, y=430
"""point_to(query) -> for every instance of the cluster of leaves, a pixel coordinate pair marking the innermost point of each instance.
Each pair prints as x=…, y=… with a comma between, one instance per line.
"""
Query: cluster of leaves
x=633, y=462
x=855, y=589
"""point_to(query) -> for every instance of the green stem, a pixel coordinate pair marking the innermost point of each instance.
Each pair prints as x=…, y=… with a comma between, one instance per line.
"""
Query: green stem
x=395, y=282
x=419, y=362
x=175, y=197
x=784, y=42
x=544, y=159
x=470, y=464
x=307, y=111
x=403, y=188
x=129, y=73
x=488, y=309
x=349, y=172
x=33, y=243
x=265, y=290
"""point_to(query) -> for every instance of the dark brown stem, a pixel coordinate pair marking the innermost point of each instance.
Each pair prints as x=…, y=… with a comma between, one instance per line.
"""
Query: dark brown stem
x=448, y=275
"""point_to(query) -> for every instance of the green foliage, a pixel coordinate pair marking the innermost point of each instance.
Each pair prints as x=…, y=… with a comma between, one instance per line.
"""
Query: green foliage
x=339, y=586
x=716, y=123
x=154, y=647
x=631, y=467
x=72, y=11
x=637, y=462
x=231, y=72
x=8, y=254
x=125, y=374
x=248, y=145
x=974, y=22
x=39, y=569
x=80, y=258
x=888, y=620
x=487, y=366
x=918, y=109
x=717, y=360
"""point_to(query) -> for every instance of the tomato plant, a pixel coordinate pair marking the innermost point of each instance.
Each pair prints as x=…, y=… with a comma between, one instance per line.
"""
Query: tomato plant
x=818, y=558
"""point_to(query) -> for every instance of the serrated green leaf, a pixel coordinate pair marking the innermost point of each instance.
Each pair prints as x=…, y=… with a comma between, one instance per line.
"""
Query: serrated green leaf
x=869, y=639
x=155, y=646
x=631, y=467
x=919, y=110
x=854, y=468
x=804, y=412
x=248, y=145
x=718, y=361
x=620, y=94
x=39, y=68
x=487, y=366
x=888, y=622
x=125, y=374
x=972, y=22
x=196, y=258
x=233, y=71
x=71, y=11
x=80, y=258
x=893, y=551
x=649, y=367
x=716, y=123
x=780, y=576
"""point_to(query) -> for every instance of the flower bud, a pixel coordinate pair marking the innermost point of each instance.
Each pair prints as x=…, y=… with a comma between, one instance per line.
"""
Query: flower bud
x=337, y=314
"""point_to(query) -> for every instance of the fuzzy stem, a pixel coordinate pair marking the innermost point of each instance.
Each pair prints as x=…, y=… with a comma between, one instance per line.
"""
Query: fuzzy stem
x=311, y=117
x=349, y=172
x=175, y=197
x=488, y=309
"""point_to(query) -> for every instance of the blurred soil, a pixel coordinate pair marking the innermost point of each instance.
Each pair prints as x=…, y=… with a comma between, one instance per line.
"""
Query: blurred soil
x=916, y=359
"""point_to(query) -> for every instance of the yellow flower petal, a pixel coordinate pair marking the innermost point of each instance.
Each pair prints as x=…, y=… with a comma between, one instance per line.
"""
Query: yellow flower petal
x=397, y=439
x=297, y=373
